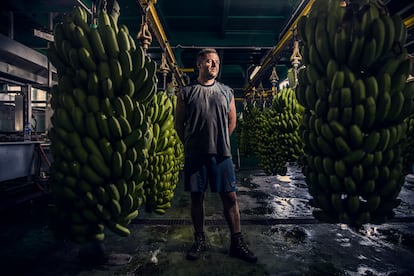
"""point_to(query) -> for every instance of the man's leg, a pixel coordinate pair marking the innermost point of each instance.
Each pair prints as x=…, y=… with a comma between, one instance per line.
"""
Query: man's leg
x=197, y=211
x=238, y=248
x=197, y=216
x=231, y=211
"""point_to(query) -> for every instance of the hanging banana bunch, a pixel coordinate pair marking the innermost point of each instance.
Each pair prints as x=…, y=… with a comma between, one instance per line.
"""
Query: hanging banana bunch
x=279, y=141
x=408, y=152
x=356, y=98
x=101, y=134
x=166, y=155
x=248, y=129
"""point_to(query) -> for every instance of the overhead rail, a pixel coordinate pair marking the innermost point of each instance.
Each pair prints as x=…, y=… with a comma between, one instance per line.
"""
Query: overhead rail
x=268, y=60
x=409, y=21
x=158, y=30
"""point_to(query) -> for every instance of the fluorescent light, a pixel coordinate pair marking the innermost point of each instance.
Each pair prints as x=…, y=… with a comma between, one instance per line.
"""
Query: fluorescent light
x=14, y=88
x=256, y=69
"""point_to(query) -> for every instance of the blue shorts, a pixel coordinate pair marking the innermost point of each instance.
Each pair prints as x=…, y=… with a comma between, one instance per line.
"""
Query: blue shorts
x=218, y=172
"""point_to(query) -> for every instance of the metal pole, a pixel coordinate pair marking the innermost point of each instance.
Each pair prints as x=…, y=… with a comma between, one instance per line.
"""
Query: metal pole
x=28, y=105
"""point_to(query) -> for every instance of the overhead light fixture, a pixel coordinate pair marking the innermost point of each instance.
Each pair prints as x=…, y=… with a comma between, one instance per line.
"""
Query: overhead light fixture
x=255, y=70
x=13, y=88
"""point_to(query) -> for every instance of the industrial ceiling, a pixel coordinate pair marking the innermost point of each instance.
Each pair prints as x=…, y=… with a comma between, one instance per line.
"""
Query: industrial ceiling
x=244, y=32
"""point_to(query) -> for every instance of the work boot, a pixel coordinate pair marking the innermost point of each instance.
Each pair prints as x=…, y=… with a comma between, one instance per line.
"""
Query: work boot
x=239, y=249
x=198, y=247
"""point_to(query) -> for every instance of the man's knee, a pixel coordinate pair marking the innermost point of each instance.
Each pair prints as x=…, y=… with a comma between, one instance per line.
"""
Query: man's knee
x=229, y=199
x=197, y=198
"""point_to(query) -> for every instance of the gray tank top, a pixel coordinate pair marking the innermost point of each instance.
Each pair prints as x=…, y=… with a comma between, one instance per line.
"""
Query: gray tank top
x=206, y=119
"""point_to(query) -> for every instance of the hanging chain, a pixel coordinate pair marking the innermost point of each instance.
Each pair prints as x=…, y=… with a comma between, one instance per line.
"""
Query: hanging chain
x=164, y=69
x=296, y=57
x=144, y=35
x=105, y=3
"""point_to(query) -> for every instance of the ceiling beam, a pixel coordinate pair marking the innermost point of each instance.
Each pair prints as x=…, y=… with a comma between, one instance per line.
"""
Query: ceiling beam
x=225, y=16
x=232, y=39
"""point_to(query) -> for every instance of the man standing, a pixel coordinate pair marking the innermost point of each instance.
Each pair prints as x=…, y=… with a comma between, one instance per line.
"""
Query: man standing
x=205, y=119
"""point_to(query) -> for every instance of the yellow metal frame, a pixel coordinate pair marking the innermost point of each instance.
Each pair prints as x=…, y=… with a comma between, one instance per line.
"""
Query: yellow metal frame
x=158, y=30
x=409, y=22
x=281, y=44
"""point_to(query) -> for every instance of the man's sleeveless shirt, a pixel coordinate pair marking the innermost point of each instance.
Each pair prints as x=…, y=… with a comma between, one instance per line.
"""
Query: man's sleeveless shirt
x=206, y=126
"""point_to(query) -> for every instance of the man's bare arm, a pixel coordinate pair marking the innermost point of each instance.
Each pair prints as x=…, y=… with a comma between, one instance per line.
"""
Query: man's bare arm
x=180, y=117
x=232, y=116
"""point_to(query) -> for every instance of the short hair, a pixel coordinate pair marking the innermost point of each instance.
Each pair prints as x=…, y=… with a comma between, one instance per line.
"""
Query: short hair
x=203, y=52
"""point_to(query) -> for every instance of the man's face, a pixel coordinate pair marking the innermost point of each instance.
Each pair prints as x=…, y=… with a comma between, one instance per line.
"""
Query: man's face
x=209, y=67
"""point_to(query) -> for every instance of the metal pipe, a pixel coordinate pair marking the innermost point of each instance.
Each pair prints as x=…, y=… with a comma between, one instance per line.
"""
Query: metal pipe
x=409, y=21
x=406, y=8
x=11, y=29
x=292, y=17
x=258, y=48
x=49, y=64
x=88, y=10
x=11, y=81
x=258, y=221
x=28, y=105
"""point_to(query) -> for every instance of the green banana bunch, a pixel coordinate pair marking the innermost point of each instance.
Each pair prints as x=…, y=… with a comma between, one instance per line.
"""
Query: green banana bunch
x=101, y=134
x=408, y=152
x=279, y=141
x=291, y=75
x=166, y=155
x=356, y=100
x=246, y=130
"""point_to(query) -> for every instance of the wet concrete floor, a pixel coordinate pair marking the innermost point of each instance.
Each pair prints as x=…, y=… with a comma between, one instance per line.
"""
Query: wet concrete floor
x=276, y=222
